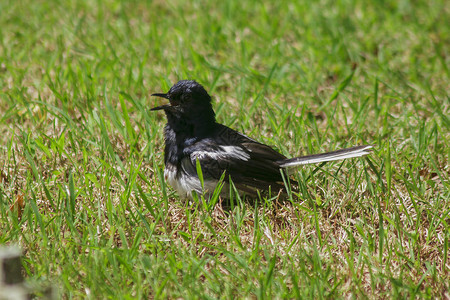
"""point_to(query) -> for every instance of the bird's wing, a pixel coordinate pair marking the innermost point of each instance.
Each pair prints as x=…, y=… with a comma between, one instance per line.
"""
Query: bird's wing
x=247, y=162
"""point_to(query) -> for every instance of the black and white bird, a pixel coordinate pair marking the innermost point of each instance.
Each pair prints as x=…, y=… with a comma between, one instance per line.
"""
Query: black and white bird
x=192, y=134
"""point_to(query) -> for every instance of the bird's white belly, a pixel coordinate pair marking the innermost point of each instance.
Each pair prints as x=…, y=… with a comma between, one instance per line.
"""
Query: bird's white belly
x=186, y=184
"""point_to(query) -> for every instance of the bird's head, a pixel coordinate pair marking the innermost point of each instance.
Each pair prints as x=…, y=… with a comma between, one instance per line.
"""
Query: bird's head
x=186, y=98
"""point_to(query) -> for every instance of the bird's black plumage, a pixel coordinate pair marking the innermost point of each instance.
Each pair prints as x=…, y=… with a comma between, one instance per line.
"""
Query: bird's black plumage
x=192, y=134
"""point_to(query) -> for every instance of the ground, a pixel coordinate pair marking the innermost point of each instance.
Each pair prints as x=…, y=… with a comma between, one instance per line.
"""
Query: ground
x=81, y=156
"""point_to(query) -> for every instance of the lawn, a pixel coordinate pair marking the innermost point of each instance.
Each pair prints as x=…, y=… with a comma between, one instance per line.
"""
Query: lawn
x=81, y=156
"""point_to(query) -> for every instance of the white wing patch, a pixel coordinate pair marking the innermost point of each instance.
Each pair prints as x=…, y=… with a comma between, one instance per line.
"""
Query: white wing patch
x=236, y=152
x=225, y=152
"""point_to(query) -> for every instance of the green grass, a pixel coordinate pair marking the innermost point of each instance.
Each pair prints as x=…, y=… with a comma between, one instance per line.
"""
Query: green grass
x=81, y=164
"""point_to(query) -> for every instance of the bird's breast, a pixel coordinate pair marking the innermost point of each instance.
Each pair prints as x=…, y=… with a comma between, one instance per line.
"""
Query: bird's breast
x=185, y=184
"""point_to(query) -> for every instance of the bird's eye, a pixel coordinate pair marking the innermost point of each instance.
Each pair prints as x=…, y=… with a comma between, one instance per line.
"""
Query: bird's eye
x=185, y=97
x=177, y=98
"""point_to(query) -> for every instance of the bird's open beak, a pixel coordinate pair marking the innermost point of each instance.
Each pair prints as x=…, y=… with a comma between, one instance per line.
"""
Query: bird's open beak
x=165, y=106
x=162, y=95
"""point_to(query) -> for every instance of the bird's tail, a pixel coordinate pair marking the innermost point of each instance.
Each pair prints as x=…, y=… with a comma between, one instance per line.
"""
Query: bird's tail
x=357, y=151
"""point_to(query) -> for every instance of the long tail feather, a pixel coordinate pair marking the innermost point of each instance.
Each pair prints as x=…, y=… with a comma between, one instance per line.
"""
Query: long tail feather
x=357, y=151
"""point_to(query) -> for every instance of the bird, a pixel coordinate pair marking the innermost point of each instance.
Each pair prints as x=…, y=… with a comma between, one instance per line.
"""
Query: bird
x=193, y=136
